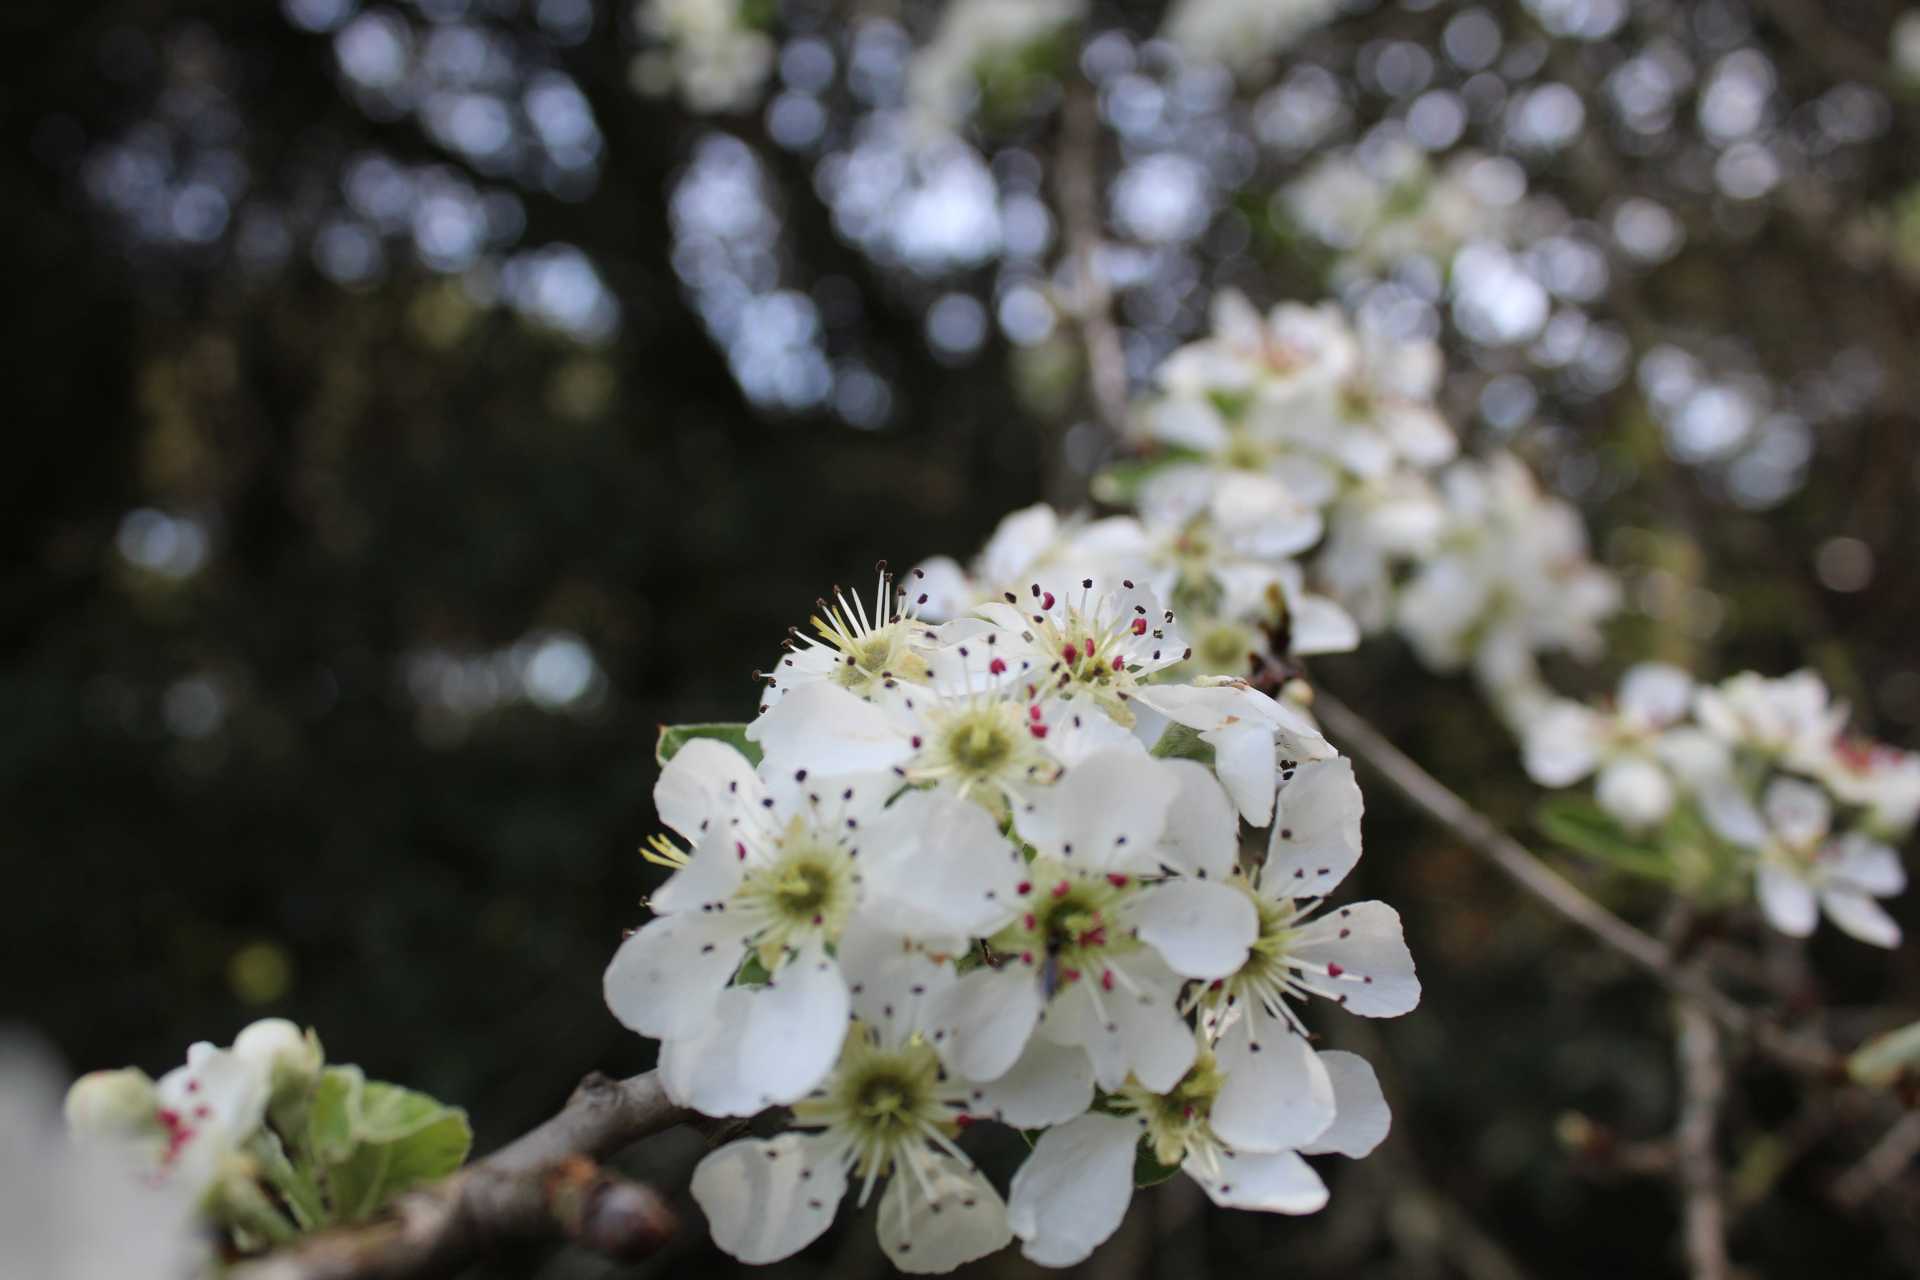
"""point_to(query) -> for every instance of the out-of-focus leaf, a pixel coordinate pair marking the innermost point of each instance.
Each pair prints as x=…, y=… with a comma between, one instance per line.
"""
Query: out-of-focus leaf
x=1887, y=1059
x=372, y=1141
x=1180, y=742
x=1147, y=1169
x=1583, y=826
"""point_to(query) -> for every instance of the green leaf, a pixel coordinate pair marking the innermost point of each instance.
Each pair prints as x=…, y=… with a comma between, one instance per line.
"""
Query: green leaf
x=1182, y=743
x=373, y=1141
x=295, y=1183
x=1583, y=826
x=675, y=736
x=1887, y=1059
x=1119, y=484
x=1147, y=1169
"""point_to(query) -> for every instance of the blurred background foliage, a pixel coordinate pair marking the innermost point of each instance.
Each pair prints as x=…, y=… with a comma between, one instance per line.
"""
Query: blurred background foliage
x=409, y=416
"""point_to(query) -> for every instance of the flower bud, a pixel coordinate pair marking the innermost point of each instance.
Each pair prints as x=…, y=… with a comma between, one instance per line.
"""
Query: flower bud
x=112, y=1103
x=290, y=1059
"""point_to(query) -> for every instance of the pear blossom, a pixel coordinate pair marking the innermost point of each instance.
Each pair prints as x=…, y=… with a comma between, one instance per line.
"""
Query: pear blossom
x=943, y=81
x=855, y=650
x=885, y=1111
x=704, y=48
x=1102, y=936
x=776, y=875
x=1792, y=719
x=1384, y=201
x=1637, y=746
x=1276, y=1091
x=1243, y=35
x=1072, y=1192
x=1801, y=869
x=1511, y=577
x=1255, y=739
x=73, y=1206
x=1882, y=780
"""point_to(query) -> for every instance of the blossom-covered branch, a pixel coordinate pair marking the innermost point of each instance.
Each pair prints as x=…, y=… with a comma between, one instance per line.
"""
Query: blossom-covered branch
x=543, y=1185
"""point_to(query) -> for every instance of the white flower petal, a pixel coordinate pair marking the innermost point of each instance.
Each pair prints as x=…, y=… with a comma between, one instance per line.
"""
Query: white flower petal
x=711, y=874
x=1655, y=693
x=1562, y=744
x=1732, y=815
x=1278, y=1183
x=1245, y=762
x=1050, y=1084
x=940, y=1216
x=1074, y=1189
x=704, y=782
x=938, y=866
x=1315, y=840
x=824, y=728
x=1202, y=836
x=981, y=1023
x=703, y=1071
x=1798, y=811
x=1277, y=1094
x=1368, y=966
x=1635, y=790
x=1319, y=625
x=1201, y=928
x=795, y=1026
x=1130, y=1026
x=1787, y=900
x=1361, y=1118
x=1863, y=863
x=1106, y=811
x=892, y=980
x=767, y=1200
x=1860, y=916
x=663, y=980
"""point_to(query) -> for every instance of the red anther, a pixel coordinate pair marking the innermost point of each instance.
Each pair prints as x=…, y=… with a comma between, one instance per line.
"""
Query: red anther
x=914, y=742
x=1062, y=889
x=819, y=919
x=740, y=849
x=193, y=1086
x=1070, y=654
x=1033, y=713
x=1046, y=601
x=1031, y=923
x=1186, y=1112
x=962, y=1120
x=1026, y=957
x=1069, y=975
x=1117, y=880
x=1216, y=984
x=1139, y=626
x=1334, y=970
x=997, y=666
x=1106, y=980
x=1119, y=663
x=1026, y=886
x=1094, y=937
x=1037, y=730
x=1087, y=644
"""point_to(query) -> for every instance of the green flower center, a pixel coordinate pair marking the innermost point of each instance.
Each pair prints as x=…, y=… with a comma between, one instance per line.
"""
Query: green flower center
x=1180, y=1119
x=980, y=743
x=1071, y=920
x=883, y=1099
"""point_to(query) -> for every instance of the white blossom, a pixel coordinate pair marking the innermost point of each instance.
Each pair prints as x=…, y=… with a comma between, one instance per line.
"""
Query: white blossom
x=1791, y=719
x=1801, y=869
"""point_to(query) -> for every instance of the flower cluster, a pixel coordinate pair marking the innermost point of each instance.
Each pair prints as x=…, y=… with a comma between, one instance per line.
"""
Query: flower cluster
x=263, y=1138
x=980, y=52
x=1244, y=35
x=1765, y=763
x=1384, y=202
x=707, y=50
x=993, y=870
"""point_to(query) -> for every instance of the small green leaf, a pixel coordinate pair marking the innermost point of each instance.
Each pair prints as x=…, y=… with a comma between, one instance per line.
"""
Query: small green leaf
x=675, y=736
x=1887, y=1059
x=1182, y=743
x=1147, y=1169
x=371, y=1141
x=1119, y=484
x=1585, y=827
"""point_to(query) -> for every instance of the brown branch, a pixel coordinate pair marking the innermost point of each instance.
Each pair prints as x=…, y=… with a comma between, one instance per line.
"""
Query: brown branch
x=1479, y=833
x=1703, y=1085
x=542, y=1185
x=1077, y=186
x=1887, y=1160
